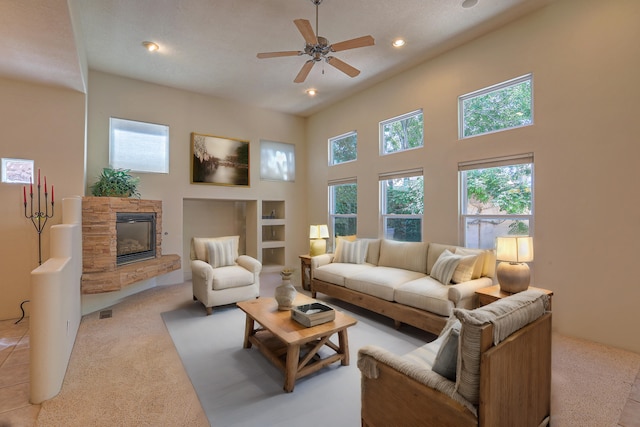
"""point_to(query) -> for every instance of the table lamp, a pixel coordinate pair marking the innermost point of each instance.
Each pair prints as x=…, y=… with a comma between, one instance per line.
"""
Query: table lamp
x=514, y=251
x=317, y=234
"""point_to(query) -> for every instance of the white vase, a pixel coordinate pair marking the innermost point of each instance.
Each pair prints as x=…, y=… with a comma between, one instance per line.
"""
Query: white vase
x=285, y=293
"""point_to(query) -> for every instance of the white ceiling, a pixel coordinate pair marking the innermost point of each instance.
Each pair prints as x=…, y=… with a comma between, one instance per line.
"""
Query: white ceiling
x=210, y=46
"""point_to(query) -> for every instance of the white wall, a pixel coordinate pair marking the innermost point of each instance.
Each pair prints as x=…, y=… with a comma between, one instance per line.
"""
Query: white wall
x=187, y=112
x=583, y=55
x=46, y=125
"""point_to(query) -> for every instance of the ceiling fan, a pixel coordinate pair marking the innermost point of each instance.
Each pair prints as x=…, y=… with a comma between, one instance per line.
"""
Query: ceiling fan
x=319, y=48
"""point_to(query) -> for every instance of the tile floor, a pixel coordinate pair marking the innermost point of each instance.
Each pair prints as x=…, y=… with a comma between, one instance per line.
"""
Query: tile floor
x=15, y=409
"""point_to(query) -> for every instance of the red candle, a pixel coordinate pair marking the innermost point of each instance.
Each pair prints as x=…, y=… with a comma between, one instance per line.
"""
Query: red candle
x=31, y=186
x=24, y=193
x=45, y=185
x=52, y=194
x=38, y=177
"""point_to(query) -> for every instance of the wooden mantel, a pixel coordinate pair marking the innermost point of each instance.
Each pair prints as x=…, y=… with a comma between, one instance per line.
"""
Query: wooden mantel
x=100, y=273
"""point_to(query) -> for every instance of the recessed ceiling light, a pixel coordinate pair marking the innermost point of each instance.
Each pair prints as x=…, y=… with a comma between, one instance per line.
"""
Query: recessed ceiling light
x=398, y=43
x=311, y=92
x=150, y=46
x=469, y=3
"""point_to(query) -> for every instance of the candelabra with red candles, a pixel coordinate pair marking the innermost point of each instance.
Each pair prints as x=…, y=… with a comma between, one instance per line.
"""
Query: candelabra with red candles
x=38, y=218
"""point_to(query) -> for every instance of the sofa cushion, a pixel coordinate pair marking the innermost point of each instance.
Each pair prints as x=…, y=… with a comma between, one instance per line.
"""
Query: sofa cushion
x=465, y=268
x=351, y=252
x=507, y=315
x=380, y=282
x=425, y=293
x=479, y=265
x=446, y=360
x=231, y=277
x=435, y=250
x=404, y=255
x=199, y=249
x=445, y=266
x=337, y=272
x=220, y=253
x=373, y=251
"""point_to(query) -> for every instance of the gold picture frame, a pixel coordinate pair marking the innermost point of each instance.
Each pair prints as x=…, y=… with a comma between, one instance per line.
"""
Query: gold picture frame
x=219, y=161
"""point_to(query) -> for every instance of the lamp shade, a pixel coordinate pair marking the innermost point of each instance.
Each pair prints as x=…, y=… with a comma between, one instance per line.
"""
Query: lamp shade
x=514, y=248
x=319, y=231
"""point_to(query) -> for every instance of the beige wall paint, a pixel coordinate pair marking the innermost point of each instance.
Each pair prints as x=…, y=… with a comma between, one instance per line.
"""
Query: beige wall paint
x=46, y=125
x=583, y=55
x=187, y=112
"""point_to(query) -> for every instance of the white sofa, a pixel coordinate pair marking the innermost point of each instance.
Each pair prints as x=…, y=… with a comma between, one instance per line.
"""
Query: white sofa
x=220, y=275
x=404, y=280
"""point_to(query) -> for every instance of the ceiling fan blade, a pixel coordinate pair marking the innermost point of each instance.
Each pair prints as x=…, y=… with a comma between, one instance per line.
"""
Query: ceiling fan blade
x=278, y=54
x=353, y=43
x=304, y=71
x=306, y=30
x=343, y=66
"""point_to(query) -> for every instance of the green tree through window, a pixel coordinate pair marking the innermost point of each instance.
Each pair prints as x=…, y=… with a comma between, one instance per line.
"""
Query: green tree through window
x=343, y=148
x=505, y=107
x=402, y=133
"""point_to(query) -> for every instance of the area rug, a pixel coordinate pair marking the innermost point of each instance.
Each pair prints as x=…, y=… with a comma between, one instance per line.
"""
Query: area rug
x=240, y=387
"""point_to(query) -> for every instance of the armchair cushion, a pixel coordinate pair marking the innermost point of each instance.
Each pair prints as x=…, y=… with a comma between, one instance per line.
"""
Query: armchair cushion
x=220, y=253
x=199, y=248
x=507, y=316
x=231, y=277
x=446, y=360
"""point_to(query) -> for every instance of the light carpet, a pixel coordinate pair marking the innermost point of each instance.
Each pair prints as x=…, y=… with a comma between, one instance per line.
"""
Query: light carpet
x=238, y=386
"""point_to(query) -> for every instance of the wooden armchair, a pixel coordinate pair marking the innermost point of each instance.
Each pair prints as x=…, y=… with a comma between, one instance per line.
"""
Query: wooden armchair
x=510, y=374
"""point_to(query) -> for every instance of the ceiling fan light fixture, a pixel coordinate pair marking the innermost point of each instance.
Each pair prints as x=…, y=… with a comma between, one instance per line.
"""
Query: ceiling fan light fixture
x=399, y=42
x=311, y=92
x=469, y=3
x=150, y=46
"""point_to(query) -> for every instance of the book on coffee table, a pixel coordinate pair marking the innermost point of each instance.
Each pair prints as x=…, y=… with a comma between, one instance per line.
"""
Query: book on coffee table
x=312, y=314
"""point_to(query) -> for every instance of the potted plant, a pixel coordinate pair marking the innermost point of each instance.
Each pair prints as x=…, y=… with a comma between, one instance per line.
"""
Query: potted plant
x=116, y=183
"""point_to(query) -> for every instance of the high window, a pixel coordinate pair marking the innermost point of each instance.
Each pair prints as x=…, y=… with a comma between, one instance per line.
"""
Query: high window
x=402, y=133
x=343, y=207
x=496, y=199
x=277, y=161
x=138, y=146
x=343, y=148
x=503, y=106
x=402, y=205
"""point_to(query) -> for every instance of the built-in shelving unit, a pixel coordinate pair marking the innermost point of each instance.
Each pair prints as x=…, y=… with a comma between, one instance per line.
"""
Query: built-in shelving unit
x=273, y=235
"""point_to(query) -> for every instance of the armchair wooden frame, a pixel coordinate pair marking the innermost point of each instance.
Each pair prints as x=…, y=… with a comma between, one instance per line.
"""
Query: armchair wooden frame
x=515, y=387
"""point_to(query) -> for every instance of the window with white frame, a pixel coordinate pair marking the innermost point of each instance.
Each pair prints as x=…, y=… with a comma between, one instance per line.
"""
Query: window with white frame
x=496, y=199
x=138, y=146
x=402, y=133
x=402, y=205
x=277, y=161
x=343, y=207
x=343, y=148
x=500, y=107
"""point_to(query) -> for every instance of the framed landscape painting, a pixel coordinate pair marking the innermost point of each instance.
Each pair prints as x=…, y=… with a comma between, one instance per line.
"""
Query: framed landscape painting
x=219, y=161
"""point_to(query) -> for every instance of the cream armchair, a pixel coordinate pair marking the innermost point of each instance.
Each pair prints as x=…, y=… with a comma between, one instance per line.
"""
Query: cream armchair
x=220, y=275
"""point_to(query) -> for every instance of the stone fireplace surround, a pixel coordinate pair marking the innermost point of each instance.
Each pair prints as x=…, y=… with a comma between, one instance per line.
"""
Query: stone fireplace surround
x=100, y=273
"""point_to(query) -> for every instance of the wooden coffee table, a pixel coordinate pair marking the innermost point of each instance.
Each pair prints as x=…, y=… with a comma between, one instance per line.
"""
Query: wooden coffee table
x=289, y=345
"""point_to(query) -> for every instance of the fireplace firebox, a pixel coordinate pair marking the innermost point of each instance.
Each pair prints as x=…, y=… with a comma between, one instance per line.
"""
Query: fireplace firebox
x=136, y=236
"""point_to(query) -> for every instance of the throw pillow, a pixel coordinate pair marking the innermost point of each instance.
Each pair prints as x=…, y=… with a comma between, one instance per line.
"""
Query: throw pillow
x=464, y=270
x=352, y=252
x=220, y=253
x=444, y=267
x=480, y=253
x=446, y=361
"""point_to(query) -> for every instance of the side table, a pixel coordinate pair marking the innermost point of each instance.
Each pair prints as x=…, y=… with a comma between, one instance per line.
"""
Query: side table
x=493, y=293
x=305, y=268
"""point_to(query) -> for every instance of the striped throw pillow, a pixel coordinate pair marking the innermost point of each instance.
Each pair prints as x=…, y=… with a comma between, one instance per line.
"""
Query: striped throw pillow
x=220, y=253
x=445, y=266
x=352, y=252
